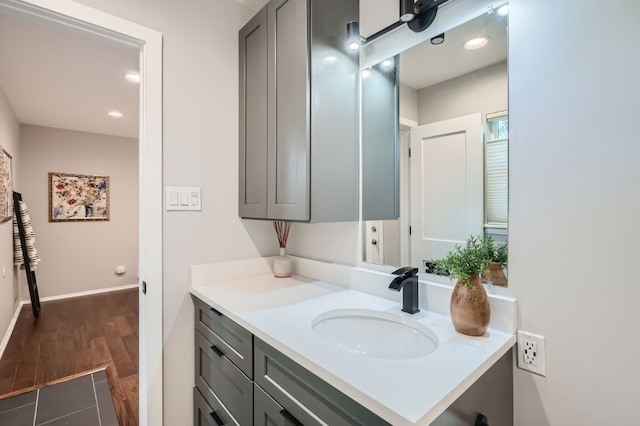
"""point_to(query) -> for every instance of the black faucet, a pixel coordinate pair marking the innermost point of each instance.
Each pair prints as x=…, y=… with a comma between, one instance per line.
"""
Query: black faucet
x=408, y=280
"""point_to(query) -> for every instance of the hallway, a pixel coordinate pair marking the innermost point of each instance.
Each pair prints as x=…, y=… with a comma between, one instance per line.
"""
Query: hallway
x=73, y=336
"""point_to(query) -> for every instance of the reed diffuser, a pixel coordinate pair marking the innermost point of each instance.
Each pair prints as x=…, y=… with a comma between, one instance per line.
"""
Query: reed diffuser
x=282, y=263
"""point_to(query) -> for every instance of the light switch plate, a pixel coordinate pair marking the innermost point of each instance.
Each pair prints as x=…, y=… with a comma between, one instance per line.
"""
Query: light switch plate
x=183, y=198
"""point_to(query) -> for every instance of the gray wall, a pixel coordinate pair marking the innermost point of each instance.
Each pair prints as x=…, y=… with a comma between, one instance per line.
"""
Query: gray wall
x=9, y=140
x=80, y=256
x=574, y=207
x=483, y=91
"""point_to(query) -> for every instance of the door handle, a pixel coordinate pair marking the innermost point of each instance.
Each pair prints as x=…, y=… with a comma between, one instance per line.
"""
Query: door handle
x=289, y=420
x=217, y=350
x=216, y=418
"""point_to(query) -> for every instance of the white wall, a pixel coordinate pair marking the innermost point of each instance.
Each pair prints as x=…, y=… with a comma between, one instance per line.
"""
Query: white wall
x=574, y=213
x=408, y=107
x=200, y=148
x=483, y=91
x=80, y=256
x=9, y=140
x=573, y=171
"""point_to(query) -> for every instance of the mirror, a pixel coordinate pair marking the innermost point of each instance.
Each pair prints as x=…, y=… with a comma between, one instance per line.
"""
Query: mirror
x=450, y=104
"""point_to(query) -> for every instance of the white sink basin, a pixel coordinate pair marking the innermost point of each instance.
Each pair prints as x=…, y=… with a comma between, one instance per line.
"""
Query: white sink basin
x=375, y=334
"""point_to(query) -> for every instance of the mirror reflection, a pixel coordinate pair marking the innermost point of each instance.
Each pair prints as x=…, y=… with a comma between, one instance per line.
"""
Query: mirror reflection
x=453, y=120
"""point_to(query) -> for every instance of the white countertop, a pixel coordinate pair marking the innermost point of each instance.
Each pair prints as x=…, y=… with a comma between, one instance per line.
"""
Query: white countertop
x=415, y=391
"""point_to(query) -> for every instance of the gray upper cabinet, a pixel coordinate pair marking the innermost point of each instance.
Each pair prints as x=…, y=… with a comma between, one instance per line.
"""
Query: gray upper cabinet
x=380, y=143
x=253, y=116
x=299, y=156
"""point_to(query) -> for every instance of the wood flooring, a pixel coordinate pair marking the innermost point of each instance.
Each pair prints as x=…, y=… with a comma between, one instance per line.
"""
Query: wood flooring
x=73, y=336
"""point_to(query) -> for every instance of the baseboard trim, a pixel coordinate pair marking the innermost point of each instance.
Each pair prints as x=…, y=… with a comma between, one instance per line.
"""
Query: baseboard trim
x=16, y=314
x=12, y=325
x=85, y=293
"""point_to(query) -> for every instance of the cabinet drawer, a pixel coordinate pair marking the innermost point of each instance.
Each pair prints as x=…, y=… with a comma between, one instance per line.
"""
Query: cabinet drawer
x=204, y=415
x=223, y=385
x=229, y=337
x=267, y=412
x=283, y=379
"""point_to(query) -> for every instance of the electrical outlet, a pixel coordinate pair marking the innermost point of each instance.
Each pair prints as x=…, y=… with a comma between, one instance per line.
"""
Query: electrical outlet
x=531, y=352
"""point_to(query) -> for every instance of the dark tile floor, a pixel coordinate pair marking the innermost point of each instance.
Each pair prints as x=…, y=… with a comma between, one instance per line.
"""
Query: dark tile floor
x=83, y=401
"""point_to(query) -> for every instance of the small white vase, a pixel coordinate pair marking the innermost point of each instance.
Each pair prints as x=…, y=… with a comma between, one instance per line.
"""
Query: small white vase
x=282, y=264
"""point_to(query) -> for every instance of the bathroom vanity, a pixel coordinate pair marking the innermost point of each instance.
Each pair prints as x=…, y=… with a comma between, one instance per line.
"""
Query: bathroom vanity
x=263, y=353
x=240, y=375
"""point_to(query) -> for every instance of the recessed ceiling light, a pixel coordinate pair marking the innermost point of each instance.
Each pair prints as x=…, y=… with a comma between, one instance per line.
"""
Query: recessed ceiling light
x=503, y=10
x=115, y=114
x=476, y=43
x=132, y=77
x=387, y=63
x=439, y=39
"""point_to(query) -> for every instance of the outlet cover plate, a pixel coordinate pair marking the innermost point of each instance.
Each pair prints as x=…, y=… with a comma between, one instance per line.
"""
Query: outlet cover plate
x=531, y=352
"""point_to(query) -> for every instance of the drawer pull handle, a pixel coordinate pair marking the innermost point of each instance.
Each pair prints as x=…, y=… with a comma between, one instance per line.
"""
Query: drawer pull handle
x=215, y=311
x=217, y=350
x=289, y=419
x=217, y=419
x=481, y=420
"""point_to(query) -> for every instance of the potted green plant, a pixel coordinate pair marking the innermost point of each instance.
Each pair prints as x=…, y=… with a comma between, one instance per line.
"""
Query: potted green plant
x=470, y=312
x=497, y=252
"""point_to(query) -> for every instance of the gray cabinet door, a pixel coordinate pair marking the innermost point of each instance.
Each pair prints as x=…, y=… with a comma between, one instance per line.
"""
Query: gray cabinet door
x=224, y=387
x=253, y=117
x=288, y=111
x=298, y=107
x=203, y=415
x=380, y=143
x=267, y=412
x=234, y=341
x=285, y=380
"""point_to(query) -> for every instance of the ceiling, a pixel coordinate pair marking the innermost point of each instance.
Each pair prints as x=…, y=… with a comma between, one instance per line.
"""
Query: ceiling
x=427, y=64
x=57, y=78
x=63, y=79
x=255, y=5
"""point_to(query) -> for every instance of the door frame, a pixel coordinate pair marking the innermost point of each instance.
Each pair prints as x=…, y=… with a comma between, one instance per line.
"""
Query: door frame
x=88, y=21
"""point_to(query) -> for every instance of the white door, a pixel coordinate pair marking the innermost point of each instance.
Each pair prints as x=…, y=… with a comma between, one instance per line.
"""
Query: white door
x=446, y=186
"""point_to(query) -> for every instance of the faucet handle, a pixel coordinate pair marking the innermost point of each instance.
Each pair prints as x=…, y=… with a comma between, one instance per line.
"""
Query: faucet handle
x=407, y=271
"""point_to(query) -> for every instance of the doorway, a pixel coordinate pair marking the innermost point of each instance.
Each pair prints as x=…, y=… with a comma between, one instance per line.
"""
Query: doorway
x=88, y=22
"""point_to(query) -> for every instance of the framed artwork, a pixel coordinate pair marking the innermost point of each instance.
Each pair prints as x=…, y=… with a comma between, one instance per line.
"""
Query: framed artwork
x=6, y=186
x=78, y=197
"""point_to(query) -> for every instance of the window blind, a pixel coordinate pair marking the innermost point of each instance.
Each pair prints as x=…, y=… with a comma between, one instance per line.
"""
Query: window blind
x=497, y=171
